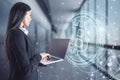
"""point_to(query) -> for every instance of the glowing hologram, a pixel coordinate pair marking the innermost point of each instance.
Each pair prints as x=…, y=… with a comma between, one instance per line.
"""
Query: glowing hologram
x=84, y=31
x=88, y=46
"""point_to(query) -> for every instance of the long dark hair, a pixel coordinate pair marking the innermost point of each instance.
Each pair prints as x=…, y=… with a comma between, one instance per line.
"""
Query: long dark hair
x=16, y=15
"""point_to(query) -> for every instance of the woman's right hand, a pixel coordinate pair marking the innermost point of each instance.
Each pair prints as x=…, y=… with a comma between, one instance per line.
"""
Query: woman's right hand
x=44, y=55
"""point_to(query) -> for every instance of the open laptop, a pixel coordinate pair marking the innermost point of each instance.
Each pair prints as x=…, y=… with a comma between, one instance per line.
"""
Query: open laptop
x=57, y=50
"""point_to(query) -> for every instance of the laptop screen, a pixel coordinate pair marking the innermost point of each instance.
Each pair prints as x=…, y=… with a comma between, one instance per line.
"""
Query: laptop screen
x=58, y=47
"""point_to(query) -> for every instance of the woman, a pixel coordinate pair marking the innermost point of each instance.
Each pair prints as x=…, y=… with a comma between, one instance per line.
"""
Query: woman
x=20, y=51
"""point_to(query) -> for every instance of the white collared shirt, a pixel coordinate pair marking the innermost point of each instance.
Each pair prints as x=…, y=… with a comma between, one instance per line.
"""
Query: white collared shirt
x=24, y=30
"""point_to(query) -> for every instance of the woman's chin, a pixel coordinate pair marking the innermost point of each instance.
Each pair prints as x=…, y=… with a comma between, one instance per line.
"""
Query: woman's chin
x=27, y=25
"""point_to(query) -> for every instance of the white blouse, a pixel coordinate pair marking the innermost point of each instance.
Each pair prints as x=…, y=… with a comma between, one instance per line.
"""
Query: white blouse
x=24, y=30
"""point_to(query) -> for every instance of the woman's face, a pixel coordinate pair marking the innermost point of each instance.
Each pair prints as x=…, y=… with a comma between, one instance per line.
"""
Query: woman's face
x=27, y=19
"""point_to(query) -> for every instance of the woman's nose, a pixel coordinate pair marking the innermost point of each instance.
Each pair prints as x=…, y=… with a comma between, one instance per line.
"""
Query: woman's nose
x=30, y=19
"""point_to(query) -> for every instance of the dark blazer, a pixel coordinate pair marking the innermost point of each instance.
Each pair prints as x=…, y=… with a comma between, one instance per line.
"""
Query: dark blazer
x=22, y=58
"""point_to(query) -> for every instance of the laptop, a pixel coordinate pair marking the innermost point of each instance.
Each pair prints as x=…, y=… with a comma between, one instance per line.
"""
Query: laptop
x=57, y=50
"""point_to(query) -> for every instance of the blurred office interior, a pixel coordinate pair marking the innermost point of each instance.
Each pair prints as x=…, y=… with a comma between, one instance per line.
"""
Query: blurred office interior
x=61, y=19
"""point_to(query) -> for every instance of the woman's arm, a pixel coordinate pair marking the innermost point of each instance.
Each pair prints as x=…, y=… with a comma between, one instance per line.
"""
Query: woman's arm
x=18, y=46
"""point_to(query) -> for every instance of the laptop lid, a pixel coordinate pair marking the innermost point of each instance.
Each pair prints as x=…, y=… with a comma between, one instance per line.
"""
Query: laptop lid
x=58, y=47
x=57, y=50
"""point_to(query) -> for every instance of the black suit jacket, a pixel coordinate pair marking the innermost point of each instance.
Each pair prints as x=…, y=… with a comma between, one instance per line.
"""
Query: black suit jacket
x=22, y=58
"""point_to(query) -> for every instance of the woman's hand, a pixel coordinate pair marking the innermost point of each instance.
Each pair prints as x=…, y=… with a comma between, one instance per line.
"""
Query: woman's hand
x=44, y=55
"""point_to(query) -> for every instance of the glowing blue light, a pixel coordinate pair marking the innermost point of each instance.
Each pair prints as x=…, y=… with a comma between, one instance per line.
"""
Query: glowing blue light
x=84, y=32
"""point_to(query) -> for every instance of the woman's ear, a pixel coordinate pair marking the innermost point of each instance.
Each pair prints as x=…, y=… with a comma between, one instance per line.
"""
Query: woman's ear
x=22, y=24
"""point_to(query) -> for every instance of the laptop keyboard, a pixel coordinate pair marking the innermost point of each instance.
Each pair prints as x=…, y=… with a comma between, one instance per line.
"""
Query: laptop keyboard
x=53, y=58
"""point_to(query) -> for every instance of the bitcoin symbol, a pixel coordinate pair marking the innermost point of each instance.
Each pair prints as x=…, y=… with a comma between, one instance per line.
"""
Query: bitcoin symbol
x=84, y=32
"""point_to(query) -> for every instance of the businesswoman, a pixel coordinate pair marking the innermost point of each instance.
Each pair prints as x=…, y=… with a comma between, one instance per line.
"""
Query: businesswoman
x=20, y=51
